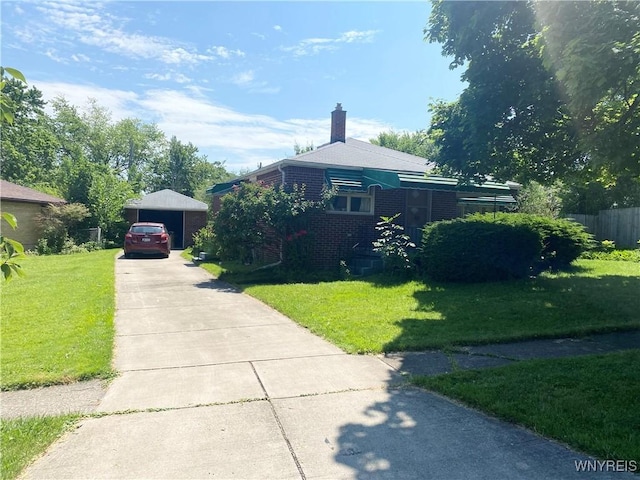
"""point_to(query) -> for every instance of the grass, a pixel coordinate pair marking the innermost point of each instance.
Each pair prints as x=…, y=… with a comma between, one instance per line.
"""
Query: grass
x=378, y=314
x=591, y=403
x=57, y=321
x=25, y=438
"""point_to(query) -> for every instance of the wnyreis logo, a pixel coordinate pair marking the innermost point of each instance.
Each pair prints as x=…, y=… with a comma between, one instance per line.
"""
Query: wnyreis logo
x=606, y=465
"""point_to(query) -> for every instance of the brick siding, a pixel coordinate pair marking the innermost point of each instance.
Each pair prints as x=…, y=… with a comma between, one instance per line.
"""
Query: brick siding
x=193, y=221
x=444, y=206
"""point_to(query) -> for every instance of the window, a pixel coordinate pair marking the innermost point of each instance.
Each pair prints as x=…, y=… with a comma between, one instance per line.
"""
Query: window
x=353, y=203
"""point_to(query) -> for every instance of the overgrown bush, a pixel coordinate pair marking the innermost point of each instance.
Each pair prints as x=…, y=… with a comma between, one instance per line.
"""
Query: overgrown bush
x=475, y=250
x=59, y=224
x=563, y=240
x=204, y=240
x=256, y=219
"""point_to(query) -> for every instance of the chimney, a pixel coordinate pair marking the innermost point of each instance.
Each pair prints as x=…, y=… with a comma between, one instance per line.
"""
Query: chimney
x=338, y=124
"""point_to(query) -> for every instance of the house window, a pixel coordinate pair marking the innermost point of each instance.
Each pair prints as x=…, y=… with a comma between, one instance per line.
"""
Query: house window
x=352, y=203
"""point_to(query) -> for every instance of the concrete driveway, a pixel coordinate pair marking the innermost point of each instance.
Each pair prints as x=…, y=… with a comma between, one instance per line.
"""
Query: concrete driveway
x=215, y=384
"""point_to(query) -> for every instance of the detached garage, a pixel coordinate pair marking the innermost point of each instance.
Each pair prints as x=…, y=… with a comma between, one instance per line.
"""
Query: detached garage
x=182, y=215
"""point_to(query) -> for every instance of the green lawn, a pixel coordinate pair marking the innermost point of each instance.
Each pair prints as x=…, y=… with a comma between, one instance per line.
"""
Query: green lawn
x=377, y=314
x=57, y=321
x=25, y=438
x=591, y=403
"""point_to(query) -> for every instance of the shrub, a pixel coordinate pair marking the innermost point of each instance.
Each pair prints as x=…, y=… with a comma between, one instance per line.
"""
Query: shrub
x=58, y=221
x=563, y=240
x=475, y=250
x=393, y=244
x=204, y=240
x=622, y=255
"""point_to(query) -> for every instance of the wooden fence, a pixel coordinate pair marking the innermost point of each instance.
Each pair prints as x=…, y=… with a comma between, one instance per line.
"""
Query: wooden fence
x=622, y=225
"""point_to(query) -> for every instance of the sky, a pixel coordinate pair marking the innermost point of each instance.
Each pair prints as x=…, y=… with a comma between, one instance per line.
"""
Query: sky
x=242, y=81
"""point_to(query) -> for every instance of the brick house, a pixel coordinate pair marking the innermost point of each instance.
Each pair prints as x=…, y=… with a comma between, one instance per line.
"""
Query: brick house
x=26, y=205
x=372, y=181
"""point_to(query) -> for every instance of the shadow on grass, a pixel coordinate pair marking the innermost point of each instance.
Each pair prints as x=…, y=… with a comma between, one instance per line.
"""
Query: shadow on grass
x=543, y=307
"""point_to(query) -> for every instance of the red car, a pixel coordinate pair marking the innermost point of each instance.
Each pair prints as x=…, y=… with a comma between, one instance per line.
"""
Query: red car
x=147, y=238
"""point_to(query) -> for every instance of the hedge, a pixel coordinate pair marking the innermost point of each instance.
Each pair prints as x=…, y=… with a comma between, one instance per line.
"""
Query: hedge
x=465, y=250
x=481, y=248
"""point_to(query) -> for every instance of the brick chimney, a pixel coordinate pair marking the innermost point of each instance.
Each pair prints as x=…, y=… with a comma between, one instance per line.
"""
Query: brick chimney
x=338, y=124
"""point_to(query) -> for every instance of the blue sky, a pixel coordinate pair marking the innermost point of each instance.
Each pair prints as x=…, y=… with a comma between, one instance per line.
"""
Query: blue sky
x=243, y=81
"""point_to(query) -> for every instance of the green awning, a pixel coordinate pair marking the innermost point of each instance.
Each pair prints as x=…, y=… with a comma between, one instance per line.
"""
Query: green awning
x=350, y=180
x=436, y=182
x=222, y=188
x=391, y=180
x=496, y=200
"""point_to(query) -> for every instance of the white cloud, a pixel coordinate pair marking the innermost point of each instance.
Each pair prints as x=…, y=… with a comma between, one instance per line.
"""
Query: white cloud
x=243, y=79
x=277, y=28
x=87, y=23
x=313, y=46
x=53, y=55
x=224, y=52
x=243, y=139
x=169, y=76
x=80, y=57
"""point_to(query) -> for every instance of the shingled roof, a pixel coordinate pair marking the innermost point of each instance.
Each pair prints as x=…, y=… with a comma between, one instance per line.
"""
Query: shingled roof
x=358, y=154
x=167, y=200
x=18, y=193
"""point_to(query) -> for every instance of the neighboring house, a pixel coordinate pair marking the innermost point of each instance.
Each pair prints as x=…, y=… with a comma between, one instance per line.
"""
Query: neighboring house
x=182, y=215
x=26, y=205
x=372, y=181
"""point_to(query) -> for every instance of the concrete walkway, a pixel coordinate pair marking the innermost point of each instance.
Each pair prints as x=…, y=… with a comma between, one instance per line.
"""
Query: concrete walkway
x=215, y=384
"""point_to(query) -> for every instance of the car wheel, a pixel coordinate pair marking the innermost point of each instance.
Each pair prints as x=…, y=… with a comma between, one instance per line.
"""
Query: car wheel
x=127, y=255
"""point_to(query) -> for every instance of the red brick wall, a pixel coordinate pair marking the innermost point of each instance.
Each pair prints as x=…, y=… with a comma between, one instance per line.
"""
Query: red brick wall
x=444, y=206
x=131, y=215
x=193, y=221
x=271, y=178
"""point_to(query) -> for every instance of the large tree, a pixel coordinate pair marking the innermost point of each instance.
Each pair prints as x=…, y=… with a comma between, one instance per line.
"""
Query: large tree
x=593, y=48
x=183, y=170
x=524, y=111
x=28, y=144
x=510, y=121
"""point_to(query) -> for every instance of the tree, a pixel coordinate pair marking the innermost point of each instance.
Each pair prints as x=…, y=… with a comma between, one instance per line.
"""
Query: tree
x=538, y=199
x=106, y=198
x=593, y=48
x=510, y=122
x=181, y=169
x=28, y=144
x=417, y=143
x=7, y=108
x=299, y=149
x=10, y=250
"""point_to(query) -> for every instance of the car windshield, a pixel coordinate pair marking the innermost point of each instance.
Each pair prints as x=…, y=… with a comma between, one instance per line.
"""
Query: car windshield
x=146, y=229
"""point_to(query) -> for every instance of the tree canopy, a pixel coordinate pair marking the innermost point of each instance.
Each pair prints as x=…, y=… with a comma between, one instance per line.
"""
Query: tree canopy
x=553, y=91
x=417, y=143
x=84, y=156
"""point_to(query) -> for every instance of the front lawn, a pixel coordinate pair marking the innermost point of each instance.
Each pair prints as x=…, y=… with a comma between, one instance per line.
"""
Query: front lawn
x=591, y=403
x=25, y=438
x=57, y=321
x=382, y=314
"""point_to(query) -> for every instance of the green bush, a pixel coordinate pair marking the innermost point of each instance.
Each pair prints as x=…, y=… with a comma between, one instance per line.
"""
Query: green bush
x=204, y=240
x=476, y=250
x=563, y=240
x=623, y=255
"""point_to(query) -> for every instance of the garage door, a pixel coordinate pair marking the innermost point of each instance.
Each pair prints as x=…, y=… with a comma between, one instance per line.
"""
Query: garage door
x=174, y=220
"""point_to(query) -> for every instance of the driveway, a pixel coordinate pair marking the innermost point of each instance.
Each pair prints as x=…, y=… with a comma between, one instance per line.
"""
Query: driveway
x=215, y=384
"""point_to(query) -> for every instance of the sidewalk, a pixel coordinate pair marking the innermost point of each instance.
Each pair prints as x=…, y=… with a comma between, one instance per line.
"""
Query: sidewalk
x=215, y=384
